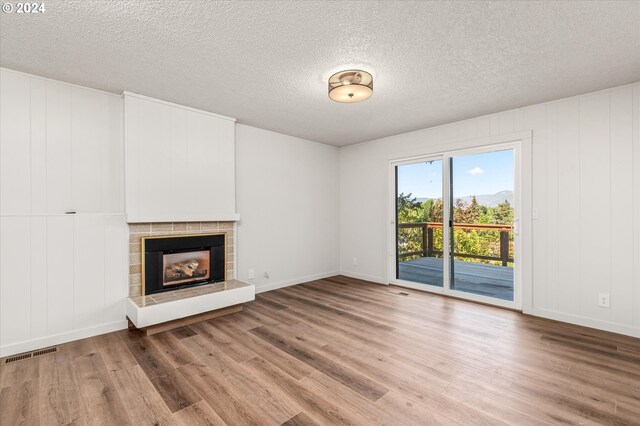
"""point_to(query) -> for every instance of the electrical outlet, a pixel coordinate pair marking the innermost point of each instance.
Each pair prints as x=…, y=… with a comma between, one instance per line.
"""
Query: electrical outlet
x=251, y=274
x=355, y=261
x=534, y=213
x=603, y=300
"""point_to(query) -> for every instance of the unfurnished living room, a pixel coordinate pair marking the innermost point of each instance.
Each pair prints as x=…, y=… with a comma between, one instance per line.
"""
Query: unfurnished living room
x=319, y=212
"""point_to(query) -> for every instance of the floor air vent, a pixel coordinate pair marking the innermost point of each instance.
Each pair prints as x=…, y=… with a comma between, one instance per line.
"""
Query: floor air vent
x=30, y=354
x=44, y=351
x=17, y=358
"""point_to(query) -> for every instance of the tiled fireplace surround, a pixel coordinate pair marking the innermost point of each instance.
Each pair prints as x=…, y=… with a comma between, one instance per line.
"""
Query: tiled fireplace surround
x=139, y=230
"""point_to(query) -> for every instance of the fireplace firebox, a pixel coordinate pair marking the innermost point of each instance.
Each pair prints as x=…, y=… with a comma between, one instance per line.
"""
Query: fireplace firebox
x=178, y=261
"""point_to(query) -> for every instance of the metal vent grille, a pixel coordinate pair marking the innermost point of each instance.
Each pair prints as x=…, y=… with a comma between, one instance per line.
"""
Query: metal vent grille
x=30, y=354
x=17, y=358
x=44, y=351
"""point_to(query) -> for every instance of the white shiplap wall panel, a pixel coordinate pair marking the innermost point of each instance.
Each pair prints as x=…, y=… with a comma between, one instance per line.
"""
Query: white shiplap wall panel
x=636, y=204
x=15, y=269
x=59, y=159
x=621, y=206
x=552, y=208
x=38, y=277
x=586, y=188
x=88, y=139
x=62, y=149
x=112, y=151
x=88, y=270
x=568, y=207
x=506, y=122
x=483, y=127
x=174, y=151
x=595, y=203
x=15, y=181
x=116, y=274
x=153, y=165
x=494, y=124
x=38, y=157
x=60, y=274
x=535, y=118
x=518, y=120
x=468, y=129
x=181, y=143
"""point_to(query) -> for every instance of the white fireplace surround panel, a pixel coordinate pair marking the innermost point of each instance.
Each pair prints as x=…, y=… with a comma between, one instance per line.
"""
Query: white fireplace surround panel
x=179, y=163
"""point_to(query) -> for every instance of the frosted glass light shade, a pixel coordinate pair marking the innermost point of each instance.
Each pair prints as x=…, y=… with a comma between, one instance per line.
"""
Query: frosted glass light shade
x=350, y=86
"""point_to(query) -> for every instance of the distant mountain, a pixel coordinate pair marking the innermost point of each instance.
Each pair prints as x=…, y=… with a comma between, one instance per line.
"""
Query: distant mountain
x=489, y=200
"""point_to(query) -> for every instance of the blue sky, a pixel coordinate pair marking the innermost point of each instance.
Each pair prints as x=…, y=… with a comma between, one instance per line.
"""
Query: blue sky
x=476, y=174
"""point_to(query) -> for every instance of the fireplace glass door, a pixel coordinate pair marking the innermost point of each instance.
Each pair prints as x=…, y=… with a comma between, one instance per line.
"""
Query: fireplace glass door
x=179, y=261
x=185, y=267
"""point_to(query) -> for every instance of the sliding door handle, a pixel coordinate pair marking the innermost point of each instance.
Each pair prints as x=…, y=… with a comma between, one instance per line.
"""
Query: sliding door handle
x=516, y=227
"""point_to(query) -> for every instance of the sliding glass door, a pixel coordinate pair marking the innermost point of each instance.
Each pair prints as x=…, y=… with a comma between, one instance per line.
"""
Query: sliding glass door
x=455, y=217
x=481, y=214
x=419, y=215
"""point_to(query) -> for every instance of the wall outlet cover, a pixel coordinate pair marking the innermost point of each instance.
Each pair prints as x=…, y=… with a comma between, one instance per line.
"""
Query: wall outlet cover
x=603, y=300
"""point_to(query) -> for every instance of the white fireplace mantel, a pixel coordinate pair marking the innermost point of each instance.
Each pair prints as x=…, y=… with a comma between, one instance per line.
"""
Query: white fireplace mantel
x=190, y=217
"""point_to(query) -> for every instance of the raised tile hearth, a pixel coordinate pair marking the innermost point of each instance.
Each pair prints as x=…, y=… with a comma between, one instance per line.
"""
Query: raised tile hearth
x=145, y=311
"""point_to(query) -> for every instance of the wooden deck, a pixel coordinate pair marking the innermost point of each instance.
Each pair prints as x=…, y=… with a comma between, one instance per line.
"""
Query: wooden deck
x=476, y=278
x=331, y=352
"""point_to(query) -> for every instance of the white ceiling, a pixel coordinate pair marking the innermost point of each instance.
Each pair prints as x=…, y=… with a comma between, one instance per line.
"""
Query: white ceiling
x=267, y=63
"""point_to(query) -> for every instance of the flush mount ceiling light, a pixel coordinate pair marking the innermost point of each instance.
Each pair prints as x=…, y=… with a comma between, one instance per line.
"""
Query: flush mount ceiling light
x=350, y=86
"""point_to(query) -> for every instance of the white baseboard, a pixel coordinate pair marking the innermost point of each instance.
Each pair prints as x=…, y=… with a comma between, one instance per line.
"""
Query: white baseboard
x=57, y=339
x=274, y=286
x=586, y=322
x=365, y=277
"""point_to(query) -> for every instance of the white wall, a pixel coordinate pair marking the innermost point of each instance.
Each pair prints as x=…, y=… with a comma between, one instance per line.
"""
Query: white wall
x=62, y=276
x=586, y=187
x=287, y=197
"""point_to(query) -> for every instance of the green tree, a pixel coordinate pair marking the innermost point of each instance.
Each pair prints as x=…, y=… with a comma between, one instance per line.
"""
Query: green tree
x=463, y=213
x=409, y=209
x=503, y=214
x=437, y=211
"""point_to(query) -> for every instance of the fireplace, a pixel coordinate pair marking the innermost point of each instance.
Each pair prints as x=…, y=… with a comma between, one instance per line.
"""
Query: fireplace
x=179, y=261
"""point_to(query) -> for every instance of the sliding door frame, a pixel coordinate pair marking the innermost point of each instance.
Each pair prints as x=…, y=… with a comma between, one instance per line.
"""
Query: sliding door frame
x=521, y=145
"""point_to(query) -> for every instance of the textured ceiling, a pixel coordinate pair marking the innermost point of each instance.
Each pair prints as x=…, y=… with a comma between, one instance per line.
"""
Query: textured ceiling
x=267, y=63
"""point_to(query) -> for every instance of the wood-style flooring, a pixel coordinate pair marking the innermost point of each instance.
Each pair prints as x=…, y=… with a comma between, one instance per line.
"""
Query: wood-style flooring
x=336, y=351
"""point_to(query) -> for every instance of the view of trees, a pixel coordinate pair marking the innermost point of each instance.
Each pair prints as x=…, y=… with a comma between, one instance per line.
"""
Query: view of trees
x=466, y=241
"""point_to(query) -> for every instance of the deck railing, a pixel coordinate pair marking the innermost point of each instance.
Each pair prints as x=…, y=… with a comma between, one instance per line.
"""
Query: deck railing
x=429, y=251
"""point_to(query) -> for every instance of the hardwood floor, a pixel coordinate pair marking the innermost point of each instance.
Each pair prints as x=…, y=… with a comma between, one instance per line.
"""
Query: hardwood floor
x=336, y=351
